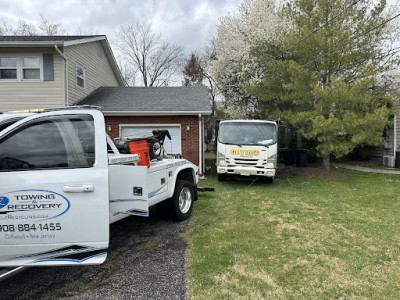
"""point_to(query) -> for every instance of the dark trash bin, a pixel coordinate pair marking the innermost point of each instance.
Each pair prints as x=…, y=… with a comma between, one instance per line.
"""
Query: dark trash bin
x=301, y=158
x=397, y=161
x=289, y=158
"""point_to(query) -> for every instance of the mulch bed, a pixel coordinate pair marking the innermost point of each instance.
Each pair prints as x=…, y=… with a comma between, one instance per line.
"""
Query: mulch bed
x=309, y=172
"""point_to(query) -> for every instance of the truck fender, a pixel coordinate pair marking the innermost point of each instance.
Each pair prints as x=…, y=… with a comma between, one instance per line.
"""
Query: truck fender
x=184, y=172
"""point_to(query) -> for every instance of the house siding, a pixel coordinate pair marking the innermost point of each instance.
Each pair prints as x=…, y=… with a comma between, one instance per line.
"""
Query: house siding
x=388, y=148
x=189, y=138
x=98, y=70
x=396, y=107
x=17, y=95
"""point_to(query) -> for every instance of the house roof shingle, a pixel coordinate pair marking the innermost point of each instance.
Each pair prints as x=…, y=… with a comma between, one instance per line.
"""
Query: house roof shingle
x=181, y=99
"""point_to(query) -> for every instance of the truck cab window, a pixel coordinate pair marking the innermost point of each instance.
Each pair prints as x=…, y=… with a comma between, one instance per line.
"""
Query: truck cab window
x=49, y=143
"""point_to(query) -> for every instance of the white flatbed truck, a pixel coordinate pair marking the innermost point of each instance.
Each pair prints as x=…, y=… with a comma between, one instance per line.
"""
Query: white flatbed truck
x=63, y=182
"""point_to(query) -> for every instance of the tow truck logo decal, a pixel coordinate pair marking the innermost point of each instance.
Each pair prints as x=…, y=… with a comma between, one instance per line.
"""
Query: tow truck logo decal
x=33, y=205
x=3, y=202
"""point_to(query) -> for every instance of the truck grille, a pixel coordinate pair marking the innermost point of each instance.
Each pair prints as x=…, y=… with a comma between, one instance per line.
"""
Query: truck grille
x=249, y=162
x=245, y=161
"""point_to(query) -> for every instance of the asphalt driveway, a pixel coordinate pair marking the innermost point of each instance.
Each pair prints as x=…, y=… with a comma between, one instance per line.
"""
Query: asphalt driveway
x=145, y=261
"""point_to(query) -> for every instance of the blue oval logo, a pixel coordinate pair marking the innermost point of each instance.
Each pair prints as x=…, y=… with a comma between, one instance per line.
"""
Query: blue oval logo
x=3, y=201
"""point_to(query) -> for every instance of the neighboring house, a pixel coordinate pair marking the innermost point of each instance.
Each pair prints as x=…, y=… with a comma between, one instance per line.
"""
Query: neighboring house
x=136, y=111
x=53, y=71
x=387, y=153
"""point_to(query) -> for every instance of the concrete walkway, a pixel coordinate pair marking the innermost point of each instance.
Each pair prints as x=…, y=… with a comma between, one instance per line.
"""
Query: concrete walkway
x=364, y=169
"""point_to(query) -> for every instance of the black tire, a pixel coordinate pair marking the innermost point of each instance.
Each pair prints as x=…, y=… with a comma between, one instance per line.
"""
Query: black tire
x=155, y=150
x=221, y=177
x=269, y=179
x=181, y=203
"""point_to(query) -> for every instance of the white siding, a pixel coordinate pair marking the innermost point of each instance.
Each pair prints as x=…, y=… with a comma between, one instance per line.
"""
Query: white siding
x=98, y=69
x=26, y=95
x=396, y=107
x=389, y=146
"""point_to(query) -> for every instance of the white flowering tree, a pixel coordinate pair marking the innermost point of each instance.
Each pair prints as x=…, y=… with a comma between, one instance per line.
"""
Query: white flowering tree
x=255, y=22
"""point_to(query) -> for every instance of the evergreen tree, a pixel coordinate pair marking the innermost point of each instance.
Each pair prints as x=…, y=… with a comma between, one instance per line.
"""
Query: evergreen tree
x=193, y=72
x=323, y=81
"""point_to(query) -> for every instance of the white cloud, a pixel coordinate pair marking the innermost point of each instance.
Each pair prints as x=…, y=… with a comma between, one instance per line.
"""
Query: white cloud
x=184, y=22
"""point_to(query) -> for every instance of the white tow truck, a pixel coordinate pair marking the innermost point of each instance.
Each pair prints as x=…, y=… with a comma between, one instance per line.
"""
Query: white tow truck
x=63, y=181
x=247, y=148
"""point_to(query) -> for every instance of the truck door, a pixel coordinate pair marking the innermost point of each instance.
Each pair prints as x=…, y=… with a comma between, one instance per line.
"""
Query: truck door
x=54, y=206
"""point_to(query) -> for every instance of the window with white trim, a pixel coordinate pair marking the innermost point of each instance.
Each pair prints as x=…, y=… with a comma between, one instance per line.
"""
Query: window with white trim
x=8, y=68
x=80, y=76
x=21, y=68
x=31, y=67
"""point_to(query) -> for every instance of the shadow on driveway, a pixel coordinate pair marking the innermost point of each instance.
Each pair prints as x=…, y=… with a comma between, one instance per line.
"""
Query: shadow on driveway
x=145, y=261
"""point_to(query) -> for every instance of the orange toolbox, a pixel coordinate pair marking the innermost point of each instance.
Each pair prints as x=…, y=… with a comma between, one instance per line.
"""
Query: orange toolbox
x=141, y=148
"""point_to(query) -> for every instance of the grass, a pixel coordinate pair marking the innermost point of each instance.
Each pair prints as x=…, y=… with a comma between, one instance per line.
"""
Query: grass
x=298, y=238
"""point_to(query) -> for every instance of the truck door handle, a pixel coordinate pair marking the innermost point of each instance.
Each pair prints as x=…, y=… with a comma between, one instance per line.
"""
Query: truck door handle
x=78, y=188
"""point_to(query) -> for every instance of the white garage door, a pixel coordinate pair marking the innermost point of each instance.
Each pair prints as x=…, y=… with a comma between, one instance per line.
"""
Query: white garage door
x=172, y=146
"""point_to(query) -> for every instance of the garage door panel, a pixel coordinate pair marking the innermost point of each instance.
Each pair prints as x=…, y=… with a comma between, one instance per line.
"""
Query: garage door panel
x=172, y=146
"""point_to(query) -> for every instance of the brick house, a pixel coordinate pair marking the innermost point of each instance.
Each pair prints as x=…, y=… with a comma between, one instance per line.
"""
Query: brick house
x=54, y=71
x=136, y=111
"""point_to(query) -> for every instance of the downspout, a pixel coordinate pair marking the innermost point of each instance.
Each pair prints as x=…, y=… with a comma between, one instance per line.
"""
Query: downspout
x=395, y=136
x=203, y=146
x=200, y=147
x=66, y=74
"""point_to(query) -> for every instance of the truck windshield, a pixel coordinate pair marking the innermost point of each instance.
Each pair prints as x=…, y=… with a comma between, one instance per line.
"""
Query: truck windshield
x=247, y=133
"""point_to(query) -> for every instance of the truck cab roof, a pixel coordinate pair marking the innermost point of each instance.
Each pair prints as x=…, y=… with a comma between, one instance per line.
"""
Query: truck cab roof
x=8, y=119
x=247, y=121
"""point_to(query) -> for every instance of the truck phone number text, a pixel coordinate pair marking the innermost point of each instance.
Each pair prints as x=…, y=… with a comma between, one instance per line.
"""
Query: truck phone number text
x=31, y=227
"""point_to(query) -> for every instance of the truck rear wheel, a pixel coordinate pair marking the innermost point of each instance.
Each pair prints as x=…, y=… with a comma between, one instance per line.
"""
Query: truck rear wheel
x=181, y=203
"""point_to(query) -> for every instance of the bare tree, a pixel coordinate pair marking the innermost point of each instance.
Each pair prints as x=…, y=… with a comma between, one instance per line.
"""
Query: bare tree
x=155, y=59
x=208, y=55
x=5, y=28
x=47, y=28
x=27, y=29
x=128, y=72
x=24, y=28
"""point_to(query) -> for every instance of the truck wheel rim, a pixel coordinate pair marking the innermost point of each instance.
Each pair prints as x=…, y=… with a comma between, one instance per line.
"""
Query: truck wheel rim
x=157, y=149
x=185, y=200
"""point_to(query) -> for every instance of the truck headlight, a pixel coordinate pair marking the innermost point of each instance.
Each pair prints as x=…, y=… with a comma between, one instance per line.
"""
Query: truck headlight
x=271, y=162
x=221, y=159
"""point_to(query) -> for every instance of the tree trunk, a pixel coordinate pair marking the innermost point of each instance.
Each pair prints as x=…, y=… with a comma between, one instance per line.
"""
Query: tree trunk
x=326, y=162
x=299, y=141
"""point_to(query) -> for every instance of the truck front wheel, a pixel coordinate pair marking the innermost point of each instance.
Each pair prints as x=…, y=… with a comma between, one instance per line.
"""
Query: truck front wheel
x=221, y=177
x=181, y=203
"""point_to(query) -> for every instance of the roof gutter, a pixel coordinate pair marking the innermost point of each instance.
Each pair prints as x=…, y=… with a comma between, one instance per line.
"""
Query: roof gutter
x=28, y=44
x=155, y=113
x=66, y=74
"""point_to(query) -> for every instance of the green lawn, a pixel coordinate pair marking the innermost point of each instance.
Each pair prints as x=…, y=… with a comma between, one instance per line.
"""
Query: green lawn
x=298, y=238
